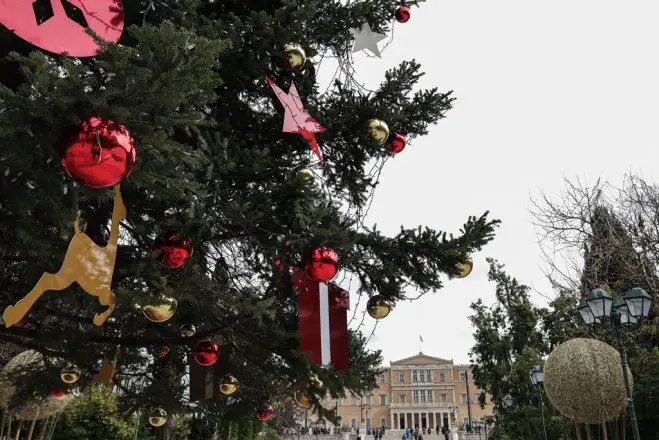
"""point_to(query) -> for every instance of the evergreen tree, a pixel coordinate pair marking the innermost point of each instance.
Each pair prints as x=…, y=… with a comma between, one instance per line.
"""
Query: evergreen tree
x=187, y=80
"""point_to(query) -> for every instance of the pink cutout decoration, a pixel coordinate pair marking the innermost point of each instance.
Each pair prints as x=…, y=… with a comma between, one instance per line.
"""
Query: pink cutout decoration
x=297, y=118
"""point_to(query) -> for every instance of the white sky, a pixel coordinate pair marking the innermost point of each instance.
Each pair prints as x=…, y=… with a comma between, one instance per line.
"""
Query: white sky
x=545, y=90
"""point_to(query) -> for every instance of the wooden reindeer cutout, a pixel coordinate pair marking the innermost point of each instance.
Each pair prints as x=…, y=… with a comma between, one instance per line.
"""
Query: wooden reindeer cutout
x=89, y=265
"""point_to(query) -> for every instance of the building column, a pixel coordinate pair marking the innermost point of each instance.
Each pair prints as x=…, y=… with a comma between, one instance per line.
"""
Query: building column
x=392, y=421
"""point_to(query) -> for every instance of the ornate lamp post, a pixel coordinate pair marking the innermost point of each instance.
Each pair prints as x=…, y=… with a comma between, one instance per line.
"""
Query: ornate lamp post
x=628, y=311
x=537, y=377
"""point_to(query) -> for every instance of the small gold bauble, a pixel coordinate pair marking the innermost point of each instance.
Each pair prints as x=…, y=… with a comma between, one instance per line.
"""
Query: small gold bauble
x=229, y=385
x=187, y=330
x=70, y=374
x=378, y=307
x=302, y=400
x=296, y=55
x=158, y=417
x=379, y=130
x=465, y=269
x=161, y=310
x=307, y=176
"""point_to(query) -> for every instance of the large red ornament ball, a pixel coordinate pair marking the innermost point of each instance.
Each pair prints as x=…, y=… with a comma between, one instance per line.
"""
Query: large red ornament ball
x=206, y=353
x=58, y=394
x=397, y=143
x=403, y=14
x=322, y=264
x=100, y=153
x=264, y=413
x=172, y=251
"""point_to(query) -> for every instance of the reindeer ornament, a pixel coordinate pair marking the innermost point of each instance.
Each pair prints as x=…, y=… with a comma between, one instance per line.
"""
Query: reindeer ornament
x=89, y=265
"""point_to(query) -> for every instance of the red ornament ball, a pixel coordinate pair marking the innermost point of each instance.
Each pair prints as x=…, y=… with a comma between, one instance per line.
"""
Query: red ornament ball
x=172, y=251
x=58, y=394
x=397, y=143
x=206, y=353
x=264, y=413
x=322, y=264
x=403, y=14
x=100, y=153
x=164, y=352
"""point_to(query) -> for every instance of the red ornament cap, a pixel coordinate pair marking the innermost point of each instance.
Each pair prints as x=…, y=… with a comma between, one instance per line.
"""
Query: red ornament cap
x=206, y=353
x=397, y=143
x=99, y=154
x=173, y=251
x=61, y=26
x=403, y=14
x=264, y=413
x=57, y=393
x=322, y=264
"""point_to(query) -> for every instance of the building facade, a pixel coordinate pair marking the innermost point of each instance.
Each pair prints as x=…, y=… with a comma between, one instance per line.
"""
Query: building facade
x=417, y=392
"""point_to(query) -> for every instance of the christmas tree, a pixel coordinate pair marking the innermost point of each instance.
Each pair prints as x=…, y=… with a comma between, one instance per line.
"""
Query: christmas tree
x=197, y=91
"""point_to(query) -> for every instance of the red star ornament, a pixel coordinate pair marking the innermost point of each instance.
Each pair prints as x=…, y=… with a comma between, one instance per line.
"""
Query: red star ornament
x=296, y=118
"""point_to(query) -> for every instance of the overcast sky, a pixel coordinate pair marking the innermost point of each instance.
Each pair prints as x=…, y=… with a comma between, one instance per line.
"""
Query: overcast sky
x=545, y=90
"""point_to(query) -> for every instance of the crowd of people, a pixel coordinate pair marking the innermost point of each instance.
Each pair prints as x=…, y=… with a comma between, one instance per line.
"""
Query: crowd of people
x=418, y=435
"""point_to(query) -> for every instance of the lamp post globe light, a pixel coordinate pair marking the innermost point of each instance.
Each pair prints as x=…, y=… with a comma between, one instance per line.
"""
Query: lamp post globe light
x=537, y=378
x=508, y=401
x=627, y=311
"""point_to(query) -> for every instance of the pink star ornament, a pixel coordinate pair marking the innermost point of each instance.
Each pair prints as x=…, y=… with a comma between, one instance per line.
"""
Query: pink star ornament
x=296, y=117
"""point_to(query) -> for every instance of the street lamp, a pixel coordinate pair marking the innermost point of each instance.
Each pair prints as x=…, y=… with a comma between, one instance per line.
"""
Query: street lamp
x=508, y=401
x=537, y=378
x=629, y=311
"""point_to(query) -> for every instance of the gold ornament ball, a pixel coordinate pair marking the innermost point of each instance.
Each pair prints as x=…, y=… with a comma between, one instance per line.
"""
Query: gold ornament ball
x=229, y=385
x=70, y=374
x=302, y=400
x=296, y=55
x=584, y=381
x=379, y=130
x=306, y=176
x=465, y=269
x=161, y=310
x=158, y=417
x=378, y=307
x=19, y=370
x=187, y=330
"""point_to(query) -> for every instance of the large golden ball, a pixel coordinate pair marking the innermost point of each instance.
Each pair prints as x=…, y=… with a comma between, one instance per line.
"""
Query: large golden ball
x=229, y=385
x=378, y=307
x=584, y=381
x=157, y=417
x=306, y=176
x=379, y=130
x=70, y=374
x=161, y=310
x=296, y=55
x=464, y=269
x=20, y=369
x=302, y=399
x=187, y=330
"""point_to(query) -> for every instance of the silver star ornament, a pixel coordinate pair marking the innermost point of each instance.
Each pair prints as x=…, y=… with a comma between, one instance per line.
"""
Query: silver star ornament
x=365, y=38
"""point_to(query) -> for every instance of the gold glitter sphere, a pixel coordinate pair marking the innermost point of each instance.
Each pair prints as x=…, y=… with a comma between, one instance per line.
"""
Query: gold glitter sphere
x=296, y=55
x=70, y=374
x=157, y=417
x=465, y=269
x=229, y=385
x=302, y=399
x=187, y=330
x=584, y=381
x=378, y=307
x=306, y=176
x=161, y=310
x=379, y=130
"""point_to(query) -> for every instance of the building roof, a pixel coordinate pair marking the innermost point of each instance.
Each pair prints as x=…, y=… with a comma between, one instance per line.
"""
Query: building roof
x=422, y=359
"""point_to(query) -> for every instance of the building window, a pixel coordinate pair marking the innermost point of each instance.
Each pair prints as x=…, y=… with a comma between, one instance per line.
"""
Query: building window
x=368, y=399
x=382, y=422
x=444, y=398
x=430, y=396
x=428, y=376
x=353, y=402
x=415, y=376
x=401, y=377
x=463, y=398
x=463, y=376
x=353, y=423
x=442, y=378
x=382, y=378
x=401, y=398
x=416, y=396
x=423, y=396
x=383, y=399
x=368, y=423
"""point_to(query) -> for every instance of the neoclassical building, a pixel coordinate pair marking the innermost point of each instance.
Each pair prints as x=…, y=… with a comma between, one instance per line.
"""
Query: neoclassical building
x=420, y=391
